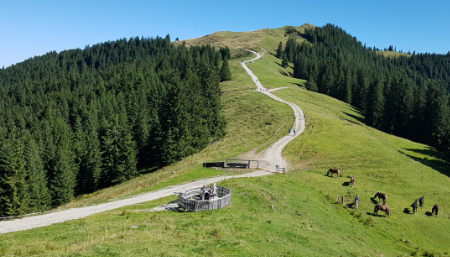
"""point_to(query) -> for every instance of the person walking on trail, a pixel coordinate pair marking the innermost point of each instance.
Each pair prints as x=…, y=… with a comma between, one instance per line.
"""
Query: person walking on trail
x=294, y=132
x=289, y=130
x=356, y=201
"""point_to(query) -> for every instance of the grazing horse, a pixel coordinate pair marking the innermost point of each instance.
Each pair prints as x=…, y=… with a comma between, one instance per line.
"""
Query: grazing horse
x=353, y=180
x=333, y=171
x=414, y=206
x=381, y=207
x=381, y=196
x=435, y=209
x=421, y=202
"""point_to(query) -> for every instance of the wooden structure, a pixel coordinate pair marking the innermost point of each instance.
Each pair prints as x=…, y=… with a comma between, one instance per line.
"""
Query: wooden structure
x=240, y=163
x=190, y=199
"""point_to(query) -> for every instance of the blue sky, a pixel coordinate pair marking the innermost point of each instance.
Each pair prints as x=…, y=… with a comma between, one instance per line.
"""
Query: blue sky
x=29, y=28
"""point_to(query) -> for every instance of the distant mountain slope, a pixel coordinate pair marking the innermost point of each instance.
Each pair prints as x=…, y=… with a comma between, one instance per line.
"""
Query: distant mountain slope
x=268, y=38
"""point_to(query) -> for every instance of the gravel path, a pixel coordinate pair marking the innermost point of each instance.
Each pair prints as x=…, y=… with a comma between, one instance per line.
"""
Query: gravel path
x=78, y=213
x=272, y=154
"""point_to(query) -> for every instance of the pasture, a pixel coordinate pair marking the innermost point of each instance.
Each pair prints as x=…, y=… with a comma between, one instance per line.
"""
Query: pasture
x=294, y=214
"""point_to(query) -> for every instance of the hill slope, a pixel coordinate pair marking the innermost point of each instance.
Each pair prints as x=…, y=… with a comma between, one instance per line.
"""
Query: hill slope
x=306, y=219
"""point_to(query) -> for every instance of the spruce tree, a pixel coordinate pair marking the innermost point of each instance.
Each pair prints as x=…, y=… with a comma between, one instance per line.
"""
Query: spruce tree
x=14, y=187
x=225, y=73
x=40, y=198
x=285, y=62
x=280, y=50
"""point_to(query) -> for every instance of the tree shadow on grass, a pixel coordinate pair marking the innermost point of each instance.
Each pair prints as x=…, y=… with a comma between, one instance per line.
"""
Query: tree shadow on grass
x=282, y=72
x=440, y=162
x=279, y=64
x=360, y=119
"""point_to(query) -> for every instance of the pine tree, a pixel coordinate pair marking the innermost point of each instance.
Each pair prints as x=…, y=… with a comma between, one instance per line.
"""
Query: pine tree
x=285, y=62
x=40, y=198
x=14, y=194
x=375, y=105
x=225, y=73
x=311, y=85
x=280, y=50
x=64, y=177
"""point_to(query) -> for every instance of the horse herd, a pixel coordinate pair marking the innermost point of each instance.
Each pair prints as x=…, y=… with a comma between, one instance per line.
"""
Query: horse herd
x=382, y=196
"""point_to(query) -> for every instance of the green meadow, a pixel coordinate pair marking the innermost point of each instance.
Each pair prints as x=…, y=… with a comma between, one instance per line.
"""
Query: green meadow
x=299, y=213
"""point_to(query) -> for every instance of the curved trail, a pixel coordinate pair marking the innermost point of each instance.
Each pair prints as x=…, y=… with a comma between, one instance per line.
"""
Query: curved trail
x=272, y=154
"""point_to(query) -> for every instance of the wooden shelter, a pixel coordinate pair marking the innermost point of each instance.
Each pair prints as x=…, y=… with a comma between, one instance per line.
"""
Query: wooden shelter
x=190, y=199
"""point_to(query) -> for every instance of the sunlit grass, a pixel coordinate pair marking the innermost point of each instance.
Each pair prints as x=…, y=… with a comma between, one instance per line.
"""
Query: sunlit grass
x=293, y=214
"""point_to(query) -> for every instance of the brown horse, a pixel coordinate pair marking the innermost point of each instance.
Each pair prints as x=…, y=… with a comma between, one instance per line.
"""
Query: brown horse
x=421, y=202
x=332, y=171
x=352, y=180
x=381, y=207
x=381, y=196
x=414, y=205
x=435, y=209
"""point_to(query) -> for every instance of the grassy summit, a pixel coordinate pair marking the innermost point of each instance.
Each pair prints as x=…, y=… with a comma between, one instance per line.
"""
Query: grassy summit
x=306, y=219
x=392, y=54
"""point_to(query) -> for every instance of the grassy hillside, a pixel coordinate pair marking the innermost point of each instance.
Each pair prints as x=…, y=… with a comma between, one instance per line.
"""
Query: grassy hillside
x=305, y=220
x=392, y=54
x=266, y=38
x=244, y=111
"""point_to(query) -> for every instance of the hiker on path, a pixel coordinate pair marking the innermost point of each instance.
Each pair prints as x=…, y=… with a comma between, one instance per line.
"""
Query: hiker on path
x=289, y=130
x=356, y=201
x=294, y=131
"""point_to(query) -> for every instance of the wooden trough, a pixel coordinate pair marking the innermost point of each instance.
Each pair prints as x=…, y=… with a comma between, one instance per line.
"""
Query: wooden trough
x=189, y=200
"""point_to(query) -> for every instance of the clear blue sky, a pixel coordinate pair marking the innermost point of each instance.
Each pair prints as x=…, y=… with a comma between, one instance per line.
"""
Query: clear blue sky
x=30, y=27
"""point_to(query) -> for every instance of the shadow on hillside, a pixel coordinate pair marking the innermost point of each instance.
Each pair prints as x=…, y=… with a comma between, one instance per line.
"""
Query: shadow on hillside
x=298, y=85
x=407, y=211
x=282, y=72
x=441, y=163
x=374, y=200
x=361, y=120
x=346, y=184
x=428, y=213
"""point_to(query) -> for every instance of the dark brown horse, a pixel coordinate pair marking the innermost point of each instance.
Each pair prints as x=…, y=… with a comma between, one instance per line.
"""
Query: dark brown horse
x=381, y=196
x=414, y=206
x=381, y=207
x=352, y=180
x=332, y=171
x=421, y=202
x=435, y=209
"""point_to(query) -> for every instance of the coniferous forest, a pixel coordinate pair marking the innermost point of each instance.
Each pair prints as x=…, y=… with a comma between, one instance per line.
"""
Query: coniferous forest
x=407, y=96
x=80, y=120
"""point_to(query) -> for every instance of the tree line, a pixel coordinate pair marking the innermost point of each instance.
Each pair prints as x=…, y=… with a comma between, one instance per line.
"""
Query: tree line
x=80, y=120
x=406, y=96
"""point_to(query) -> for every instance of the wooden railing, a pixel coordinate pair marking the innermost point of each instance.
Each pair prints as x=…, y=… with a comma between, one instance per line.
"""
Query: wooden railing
x=186, y=202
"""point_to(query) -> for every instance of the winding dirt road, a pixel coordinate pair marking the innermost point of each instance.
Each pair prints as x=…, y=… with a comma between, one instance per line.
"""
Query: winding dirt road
x=272, y=155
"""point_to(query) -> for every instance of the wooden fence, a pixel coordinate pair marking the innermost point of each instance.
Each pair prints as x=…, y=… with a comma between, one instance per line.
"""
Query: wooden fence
x=186, y=201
